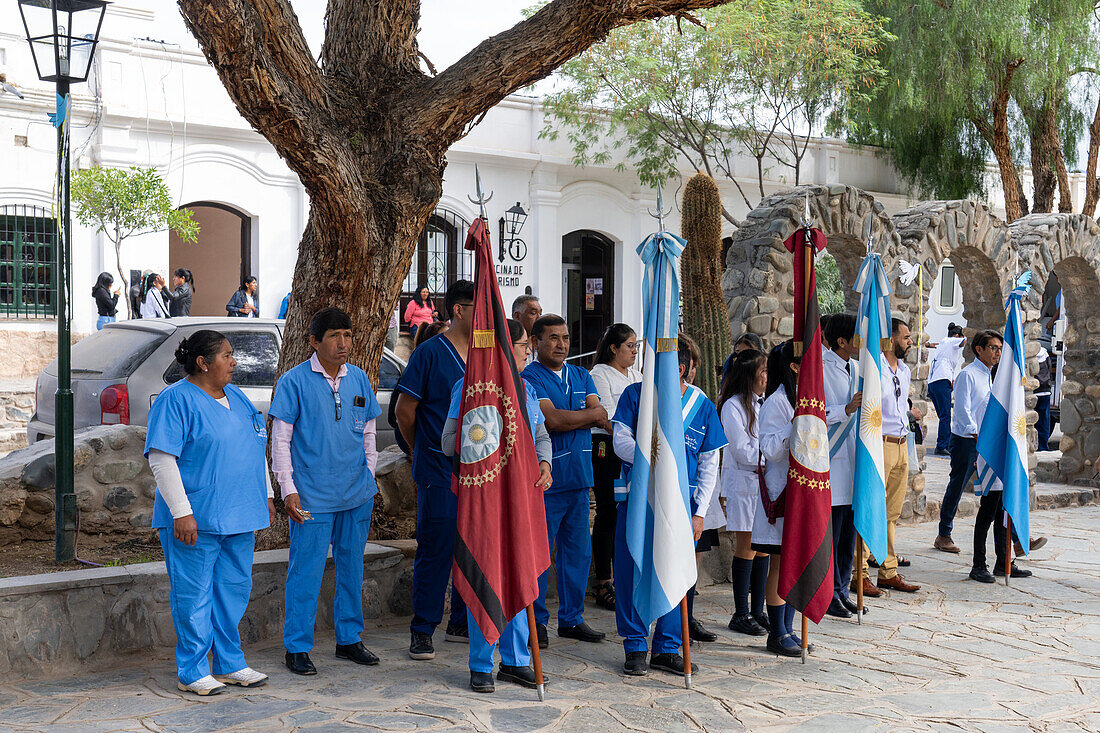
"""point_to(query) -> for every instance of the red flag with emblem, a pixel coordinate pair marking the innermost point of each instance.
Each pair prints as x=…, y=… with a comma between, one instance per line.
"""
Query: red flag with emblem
x=501, y=548
x=806, y=574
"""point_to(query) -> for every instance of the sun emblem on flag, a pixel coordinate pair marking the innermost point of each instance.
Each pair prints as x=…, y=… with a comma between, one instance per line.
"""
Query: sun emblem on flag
x=810, y=445
x=870, y=419
x=1019, y=424
x=487, y=430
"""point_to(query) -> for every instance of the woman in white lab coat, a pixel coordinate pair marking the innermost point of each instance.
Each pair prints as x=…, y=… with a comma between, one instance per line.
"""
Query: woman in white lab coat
x=739, y=401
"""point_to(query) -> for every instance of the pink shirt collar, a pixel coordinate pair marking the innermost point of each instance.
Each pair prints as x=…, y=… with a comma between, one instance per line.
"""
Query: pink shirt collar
x=315, y=365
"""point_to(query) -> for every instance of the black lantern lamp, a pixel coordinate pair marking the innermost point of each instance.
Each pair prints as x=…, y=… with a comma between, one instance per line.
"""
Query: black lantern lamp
x=63, y=35
x=514, y=217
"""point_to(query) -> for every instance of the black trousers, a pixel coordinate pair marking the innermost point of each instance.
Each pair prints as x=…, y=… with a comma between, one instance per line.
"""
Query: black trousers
x=990, y=511
x=606, y=468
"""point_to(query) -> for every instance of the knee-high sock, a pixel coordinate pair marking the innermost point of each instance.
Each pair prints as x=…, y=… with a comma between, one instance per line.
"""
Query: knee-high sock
x=742, y=575
x=758, y=582
x=776, y=628
x=691, y=602
x=788, y=621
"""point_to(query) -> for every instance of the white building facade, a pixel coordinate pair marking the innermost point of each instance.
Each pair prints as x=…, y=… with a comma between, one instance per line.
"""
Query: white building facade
x=154, y=101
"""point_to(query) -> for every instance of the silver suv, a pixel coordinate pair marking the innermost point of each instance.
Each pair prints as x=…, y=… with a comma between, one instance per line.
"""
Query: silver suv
x=119, y=371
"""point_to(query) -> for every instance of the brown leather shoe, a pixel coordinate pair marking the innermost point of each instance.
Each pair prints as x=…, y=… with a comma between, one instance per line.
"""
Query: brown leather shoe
x=897, y=583
x=869, y=589
x=944, y=544
x=1035, y=544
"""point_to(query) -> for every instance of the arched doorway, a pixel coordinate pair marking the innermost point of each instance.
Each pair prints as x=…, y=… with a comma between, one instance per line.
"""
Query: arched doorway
x=587, y=289
x=220, y=258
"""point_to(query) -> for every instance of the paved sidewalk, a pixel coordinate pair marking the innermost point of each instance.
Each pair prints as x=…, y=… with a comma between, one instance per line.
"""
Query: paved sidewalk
x=955, y=656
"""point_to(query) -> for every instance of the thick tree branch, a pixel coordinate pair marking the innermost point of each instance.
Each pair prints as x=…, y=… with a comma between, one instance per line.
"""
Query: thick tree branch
x=526, y=53
x=368, y=41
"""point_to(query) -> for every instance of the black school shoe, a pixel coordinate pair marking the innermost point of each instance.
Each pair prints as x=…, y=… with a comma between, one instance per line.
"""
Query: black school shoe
x=981, y=574
x=837, y=609
x=1017, y=572
x=673, y=663
x=461, y=634
x=746, y=624
x=420, y=646
x=299, y=663
x=356, y=653
x=698, y=632
x=520, y=675
x=853, y=606
x=540, y=632
x=581, y=632
x=482, y=682
x=635, y=664
x=784, y=646
x=762, y=619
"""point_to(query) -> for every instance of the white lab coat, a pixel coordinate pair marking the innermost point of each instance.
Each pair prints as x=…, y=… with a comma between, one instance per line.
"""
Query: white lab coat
x=838, y=391
x=740, y=483
x=776, y=424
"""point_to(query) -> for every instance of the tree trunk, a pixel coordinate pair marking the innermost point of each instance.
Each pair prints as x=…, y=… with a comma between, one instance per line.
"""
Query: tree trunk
x=367, y=131
x=995, y=132
x=705, y=317
x=1042, y=156
x=122, y=273
x=1092, y=182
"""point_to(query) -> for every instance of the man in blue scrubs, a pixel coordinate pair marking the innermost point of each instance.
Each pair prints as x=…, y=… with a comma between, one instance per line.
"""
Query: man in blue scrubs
x=422, y=403
x=703, y=439
x=323, y=454
x=571, y=404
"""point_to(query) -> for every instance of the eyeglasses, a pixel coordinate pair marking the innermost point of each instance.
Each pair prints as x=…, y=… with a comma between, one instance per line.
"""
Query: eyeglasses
x=633, y=347
x=525, y=344
x=336, y=402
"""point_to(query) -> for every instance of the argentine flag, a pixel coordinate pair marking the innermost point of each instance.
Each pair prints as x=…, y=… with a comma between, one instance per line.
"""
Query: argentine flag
x=658, y=520
x=873, y=330
x=1002, y=436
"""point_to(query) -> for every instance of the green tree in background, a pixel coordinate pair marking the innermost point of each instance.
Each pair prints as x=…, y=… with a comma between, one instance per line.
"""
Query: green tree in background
x=759, y=75
x=124, y=202
x=970, y=78
x=830, y=288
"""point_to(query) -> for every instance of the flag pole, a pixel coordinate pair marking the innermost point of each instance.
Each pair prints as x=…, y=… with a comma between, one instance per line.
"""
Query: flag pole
x=536, y=659
x=1008, y=545
x=807, y=257
x=686, y=640
x=859, y=586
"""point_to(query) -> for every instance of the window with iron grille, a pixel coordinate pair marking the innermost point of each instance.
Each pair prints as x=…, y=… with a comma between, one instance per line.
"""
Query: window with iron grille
x=28, y=258
x=439, y=259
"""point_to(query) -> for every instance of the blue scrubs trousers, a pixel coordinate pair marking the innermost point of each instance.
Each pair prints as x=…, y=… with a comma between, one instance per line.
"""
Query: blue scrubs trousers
x=346, y=531
x=668, y=634
x=513, y=644
x=436, y=527
x=210, y=585
x=844, y=549
x=567, y=527
x=940, y=394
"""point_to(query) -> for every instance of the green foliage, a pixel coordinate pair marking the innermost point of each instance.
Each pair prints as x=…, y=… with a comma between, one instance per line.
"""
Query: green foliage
x=830, y=288
x=759, y=76
x=123, y=202
x=946, y=66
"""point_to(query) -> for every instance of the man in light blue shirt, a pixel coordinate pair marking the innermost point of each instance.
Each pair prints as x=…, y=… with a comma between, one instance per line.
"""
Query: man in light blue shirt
x=972, y=388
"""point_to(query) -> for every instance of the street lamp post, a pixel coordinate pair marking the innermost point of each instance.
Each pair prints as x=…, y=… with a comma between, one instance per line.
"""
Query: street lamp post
x=63, y=35
x=515, y=217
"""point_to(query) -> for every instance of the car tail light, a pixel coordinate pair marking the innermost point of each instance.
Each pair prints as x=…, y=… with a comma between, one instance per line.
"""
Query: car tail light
x=114, y=403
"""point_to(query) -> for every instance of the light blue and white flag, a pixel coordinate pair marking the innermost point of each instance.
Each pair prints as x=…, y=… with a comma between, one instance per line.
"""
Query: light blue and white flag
x=1002, y=436
x=658, y=519
x=869, y=475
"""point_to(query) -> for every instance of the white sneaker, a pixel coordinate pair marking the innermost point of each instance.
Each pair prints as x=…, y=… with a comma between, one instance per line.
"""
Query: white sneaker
x=246, y=677
x=204, y=686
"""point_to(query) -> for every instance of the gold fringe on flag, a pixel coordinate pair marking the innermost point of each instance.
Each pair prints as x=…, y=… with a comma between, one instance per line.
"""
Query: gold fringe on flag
x=798, y=347
x=484, y=339
x=664, y=345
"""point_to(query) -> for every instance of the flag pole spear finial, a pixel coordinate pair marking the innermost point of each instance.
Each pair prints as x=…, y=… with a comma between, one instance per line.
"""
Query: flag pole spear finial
x=481, y=199
x=660, y=214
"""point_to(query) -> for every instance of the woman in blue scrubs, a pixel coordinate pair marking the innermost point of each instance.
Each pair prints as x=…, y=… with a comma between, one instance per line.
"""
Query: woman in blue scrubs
x=206, y=446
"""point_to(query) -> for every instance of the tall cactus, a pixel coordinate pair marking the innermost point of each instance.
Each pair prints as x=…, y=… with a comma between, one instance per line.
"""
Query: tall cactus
x=704, y=306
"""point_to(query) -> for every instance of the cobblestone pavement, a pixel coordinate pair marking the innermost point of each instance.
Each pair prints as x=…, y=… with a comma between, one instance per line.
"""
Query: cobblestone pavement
x=956, y=656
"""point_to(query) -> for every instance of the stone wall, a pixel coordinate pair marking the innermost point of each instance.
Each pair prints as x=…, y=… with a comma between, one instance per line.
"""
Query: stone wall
x=16, y=408
x=96, y=618
x=27, y=352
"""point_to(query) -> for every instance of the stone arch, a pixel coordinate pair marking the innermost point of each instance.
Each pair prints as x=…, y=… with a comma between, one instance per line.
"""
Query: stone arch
x=1067, y=245
x=758, y=281
x=977, y=242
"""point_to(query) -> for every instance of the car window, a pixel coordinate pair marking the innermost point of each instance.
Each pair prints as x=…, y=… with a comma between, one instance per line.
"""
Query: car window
x=114, y=353
x=388, y=373
x=257, y=355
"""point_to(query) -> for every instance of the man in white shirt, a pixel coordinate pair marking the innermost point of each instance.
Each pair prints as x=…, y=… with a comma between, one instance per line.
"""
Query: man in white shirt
x=895, y=453
x=841, y=405
x=972, y=388
x=945, y=363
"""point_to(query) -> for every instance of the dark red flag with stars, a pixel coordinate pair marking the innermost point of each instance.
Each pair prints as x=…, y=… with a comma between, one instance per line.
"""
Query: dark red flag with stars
x=806, y=574
x=501, y=547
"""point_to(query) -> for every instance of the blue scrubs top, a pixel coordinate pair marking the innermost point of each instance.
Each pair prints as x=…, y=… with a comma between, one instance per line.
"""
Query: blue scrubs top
x=702, y=434
x=572, y=467
x=432, y=370
x=220, y=454
x=330, y=468
x=534, y=412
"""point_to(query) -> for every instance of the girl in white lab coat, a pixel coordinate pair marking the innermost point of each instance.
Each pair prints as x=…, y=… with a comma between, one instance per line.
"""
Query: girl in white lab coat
x=739, y=401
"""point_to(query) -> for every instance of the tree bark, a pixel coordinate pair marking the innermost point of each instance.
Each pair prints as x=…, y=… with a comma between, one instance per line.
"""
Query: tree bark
x=1092, y=182
x=367, y=131
x=1042, y=157
x=995, y=132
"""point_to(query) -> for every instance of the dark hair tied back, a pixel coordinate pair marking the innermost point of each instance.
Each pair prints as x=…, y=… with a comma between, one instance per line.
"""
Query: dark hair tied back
x=205, y=343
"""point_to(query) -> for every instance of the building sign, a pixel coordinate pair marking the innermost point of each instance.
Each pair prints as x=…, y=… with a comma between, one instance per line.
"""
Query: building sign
x=509, y=276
